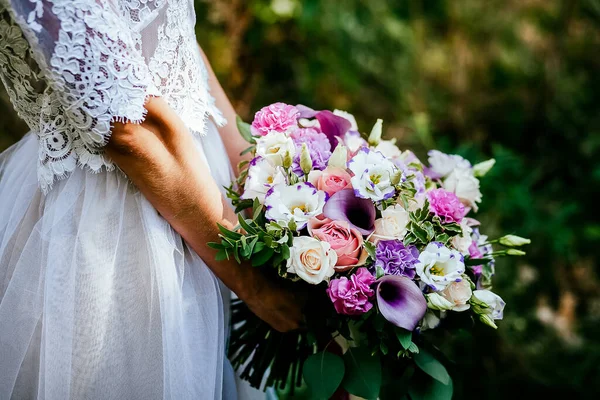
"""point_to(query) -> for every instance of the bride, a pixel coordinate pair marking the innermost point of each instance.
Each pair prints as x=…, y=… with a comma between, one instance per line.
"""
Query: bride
x=108, y=289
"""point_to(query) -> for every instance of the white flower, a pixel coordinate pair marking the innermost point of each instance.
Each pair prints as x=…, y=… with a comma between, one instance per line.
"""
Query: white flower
x=431, y=320
x=375, y=135
x=274, y=147
x=339, y=157
x=436, y=301
x=261, y=177
x=311, y=259
x=389, y=149
x=349, y=117
x=298, y=203
x=443, y=164
x=373, y=175
x=439, y=266
x=495, y=304
x=483, y=168
x=354, y=141
x=464, y=241
x=463, y=183
x=392, y=224
x=458, y=294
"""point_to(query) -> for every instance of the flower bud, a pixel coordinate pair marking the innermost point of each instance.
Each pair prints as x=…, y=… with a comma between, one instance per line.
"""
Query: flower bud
x=305, y=160
x=483, y=168
x=486, y=319
x=287, y=160
x=515, y=252
x=339, y=157
x=513, y=241
x=375, y=136
x=437, y=302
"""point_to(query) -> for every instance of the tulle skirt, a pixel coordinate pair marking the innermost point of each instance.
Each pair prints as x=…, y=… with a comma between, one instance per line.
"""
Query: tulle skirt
x=99, y=297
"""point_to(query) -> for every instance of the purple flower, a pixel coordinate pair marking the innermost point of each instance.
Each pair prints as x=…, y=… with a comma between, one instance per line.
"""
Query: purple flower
x=396, y=259
x=345, y=206
x=275, y=117
x=446, y=205
x=351, y=296
x=318, y=147
x=400, y=301
x=333, y=126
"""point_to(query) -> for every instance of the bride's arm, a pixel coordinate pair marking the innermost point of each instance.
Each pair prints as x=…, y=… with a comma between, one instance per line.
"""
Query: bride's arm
x=234, y=143
x=161, y=159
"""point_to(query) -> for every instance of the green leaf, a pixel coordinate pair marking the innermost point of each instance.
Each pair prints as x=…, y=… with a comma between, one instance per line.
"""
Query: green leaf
x=258, y=247
x=419, y=232
x=453, y=227
x=404, y=337
x=248, y=150
x=262, y=257
x=323, y=372
x=229, y=234
x=285, y=251
x=363, y=373
x=430, y=389
x=413, y=348
x=221, y=255
x=442, y=238
x=432, y=367
x=216, y=246
x=244, y=129
x=370, y=247
x=428, y=226
x=245, y=226
x=256, y=209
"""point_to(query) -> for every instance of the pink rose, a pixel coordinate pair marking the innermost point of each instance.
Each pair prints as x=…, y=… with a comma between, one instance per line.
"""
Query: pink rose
x=446, y=205
x=345, y=241
x=351, y=296
x=276, y=117
x=331, y=180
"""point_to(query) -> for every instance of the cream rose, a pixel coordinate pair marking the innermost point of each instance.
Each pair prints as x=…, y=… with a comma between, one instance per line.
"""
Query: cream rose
x=311, y=259
x=392, y=224
x=459, y=294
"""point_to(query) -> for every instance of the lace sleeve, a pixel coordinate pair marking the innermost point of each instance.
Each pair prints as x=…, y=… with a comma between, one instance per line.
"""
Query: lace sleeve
x=92, y=73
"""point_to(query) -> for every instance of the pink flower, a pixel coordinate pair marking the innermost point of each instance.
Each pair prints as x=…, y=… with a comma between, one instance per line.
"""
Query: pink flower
x=331, y=180
x=345, y=241
x=475, y=253
x=276, y=117
x=351, y=296
x=446, y=205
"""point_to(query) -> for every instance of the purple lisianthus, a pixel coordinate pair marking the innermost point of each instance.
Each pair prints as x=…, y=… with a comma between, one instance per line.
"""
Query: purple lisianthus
x=275, y=117
x=352, y=296
x=446, y=205
x=318, y=147
x=396, y=259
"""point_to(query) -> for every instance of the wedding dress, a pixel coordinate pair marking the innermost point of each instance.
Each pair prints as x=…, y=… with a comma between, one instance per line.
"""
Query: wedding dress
x=99, y=297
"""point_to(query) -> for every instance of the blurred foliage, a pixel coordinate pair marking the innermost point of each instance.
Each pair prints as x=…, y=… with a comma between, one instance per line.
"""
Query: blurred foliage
x=516, y=80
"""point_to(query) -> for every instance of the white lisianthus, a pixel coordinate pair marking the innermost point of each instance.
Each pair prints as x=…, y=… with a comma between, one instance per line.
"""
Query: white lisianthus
x=443, y=164
x=262, y=175
x=298, y=203
x=373, y=175
x=389, y=149
x=483, y=168
x=463, y=183
x=346, y=115
x=274, y=146
x=436, y=301
x=392, y=224
x=439, y=266
x=464, y=241
x=458, y=294
x=490, y=307
x=376, y=132
x=311, y=259
x=353, y=141
x=431, y=320
x=339, y=157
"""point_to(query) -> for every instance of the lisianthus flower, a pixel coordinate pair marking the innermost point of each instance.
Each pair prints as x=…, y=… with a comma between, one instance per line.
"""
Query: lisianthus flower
x=354, y=141
x=394, y=258
x=389, y=149
x=446, y=205
x=373, y=175
x=311, y=259
x=352, y=296
x=318, y=146
x=262, y=175
x=458, y=294
x=298, y=203
x=441, y=164
x=274, y=146
x=489, y=306
x=463, y=183
x=439, y=266
x=277, y=117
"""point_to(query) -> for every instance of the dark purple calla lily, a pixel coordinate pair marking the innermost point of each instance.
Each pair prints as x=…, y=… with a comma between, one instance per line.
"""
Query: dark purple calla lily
x=333, y=126
x=400, y=301
x=345, y=206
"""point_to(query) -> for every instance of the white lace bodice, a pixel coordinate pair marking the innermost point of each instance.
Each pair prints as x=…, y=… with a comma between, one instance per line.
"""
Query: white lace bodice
x=72, y=67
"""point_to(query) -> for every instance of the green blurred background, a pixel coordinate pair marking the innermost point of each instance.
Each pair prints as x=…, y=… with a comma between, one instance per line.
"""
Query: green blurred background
x=517, y=80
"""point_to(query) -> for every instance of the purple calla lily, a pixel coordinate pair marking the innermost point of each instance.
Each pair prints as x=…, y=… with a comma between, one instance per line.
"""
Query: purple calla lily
x=345, y=206
x=400, y=301
x=333, y=126
x=306, y=112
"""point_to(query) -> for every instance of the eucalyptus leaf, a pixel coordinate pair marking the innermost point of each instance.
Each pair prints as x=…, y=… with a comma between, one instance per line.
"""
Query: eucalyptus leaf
x=323, y=372
x=363, y=373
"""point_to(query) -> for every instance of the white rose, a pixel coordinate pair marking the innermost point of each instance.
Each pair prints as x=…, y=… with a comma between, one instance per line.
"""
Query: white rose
x=389, y=149
x=443, y=164
x=346, y=115
x=262, y=175
x=463, y=183
x=298, y=203
x=495, y=304
x=439, y=266
x=459, y=294
x=274, y=147
x=392, y=224
x=373, y=175
x=311, y=259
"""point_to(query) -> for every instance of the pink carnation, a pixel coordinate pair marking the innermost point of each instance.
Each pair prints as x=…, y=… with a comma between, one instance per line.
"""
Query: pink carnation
x=446, y=205
x=276, y=117
x=351, y=296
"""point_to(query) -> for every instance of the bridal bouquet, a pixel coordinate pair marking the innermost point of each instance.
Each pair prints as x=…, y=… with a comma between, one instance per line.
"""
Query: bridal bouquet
x=380, y=243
